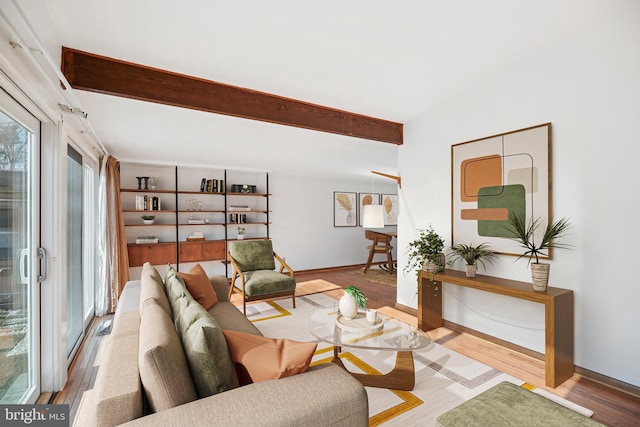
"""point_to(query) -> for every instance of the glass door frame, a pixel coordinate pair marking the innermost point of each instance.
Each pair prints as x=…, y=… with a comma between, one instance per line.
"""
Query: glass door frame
x=19, y=113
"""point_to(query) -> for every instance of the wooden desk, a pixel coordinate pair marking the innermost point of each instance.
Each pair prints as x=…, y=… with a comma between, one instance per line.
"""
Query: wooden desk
x=558, y=314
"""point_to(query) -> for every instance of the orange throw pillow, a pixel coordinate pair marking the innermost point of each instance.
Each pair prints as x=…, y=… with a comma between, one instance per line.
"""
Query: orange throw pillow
x=199, y=286
x=269, y=358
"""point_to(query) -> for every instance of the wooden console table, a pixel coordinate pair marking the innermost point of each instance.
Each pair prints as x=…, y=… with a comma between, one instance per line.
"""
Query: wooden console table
x=558, y=305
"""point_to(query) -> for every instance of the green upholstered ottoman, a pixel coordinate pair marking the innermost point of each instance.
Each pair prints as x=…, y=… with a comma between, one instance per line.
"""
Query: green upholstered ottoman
x=507, y=404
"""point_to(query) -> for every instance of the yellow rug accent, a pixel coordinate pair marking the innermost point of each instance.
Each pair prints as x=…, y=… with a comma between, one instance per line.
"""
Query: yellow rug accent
x=444, y=378
x=281, y=312
x=528, y=386
x=410, y=400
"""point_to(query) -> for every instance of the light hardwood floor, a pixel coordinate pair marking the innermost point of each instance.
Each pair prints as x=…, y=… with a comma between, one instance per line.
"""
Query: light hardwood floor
x=611, y=406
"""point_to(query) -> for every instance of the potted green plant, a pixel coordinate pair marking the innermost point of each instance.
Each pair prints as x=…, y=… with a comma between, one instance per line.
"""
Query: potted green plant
x=148, y=219
x=352, y=298
x=472, y=256
x=425, y=252
x=523, y=232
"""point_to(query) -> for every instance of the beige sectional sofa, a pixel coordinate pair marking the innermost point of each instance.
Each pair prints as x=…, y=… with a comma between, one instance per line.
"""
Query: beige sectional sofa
x=144, y=339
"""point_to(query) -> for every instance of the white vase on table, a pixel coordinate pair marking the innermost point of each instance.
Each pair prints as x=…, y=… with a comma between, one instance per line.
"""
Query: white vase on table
x=348, y=307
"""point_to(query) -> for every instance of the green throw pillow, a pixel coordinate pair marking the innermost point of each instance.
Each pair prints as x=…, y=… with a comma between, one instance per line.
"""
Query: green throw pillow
x=175, y=288
x=204, y=344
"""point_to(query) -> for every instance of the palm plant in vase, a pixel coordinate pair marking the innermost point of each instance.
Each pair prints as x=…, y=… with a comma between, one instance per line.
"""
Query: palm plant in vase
x=472, y=256
x=523, y=232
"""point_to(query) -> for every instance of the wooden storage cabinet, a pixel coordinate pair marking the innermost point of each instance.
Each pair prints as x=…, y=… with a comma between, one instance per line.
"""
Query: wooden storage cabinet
x=155, y=253
x=202, y=251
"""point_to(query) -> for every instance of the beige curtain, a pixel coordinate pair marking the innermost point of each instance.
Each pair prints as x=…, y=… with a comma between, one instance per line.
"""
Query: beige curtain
x=117, y=256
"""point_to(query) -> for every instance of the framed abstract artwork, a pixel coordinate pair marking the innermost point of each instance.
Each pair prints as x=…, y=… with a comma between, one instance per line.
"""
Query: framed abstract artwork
x=345, y=209
x=366, y=199
x=496, y=177
x=390, y=209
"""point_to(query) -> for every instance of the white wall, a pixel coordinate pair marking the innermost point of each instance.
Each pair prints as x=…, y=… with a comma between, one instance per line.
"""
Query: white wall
x=305, y=168
x=587, y=85
x=302, y=220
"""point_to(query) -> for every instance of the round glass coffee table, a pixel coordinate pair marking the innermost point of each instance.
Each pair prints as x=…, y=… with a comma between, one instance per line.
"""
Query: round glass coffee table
x=327, y=325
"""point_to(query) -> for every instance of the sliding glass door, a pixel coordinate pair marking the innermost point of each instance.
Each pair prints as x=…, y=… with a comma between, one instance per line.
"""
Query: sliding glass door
x=81, y=249
x=19, y=253
x=75, y=299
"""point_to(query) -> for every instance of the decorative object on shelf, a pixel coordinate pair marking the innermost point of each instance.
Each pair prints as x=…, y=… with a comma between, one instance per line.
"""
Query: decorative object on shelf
x=472, y=256
x=352, y=298
x=147, y=203
x=196, y=236
x=143, y=240
x=344, y=209
x=148, y=219
x=523, y=232
x=241, y=233
x=146, y=182
x=212, y=185
x=139, y=178
x=193, y=204
x=237, y=218
x=243, y=188
x=425, y=253
x=153, y=181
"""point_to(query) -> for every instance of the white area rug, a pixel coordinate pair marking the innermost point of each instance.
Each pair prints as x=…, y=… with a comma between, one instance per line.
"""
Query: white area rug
x=444, y=378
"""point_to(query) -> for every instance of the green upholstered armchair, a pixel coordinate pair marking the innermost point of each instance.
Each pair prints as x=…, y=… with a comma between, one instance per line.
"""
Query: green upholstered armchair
x=254, y=265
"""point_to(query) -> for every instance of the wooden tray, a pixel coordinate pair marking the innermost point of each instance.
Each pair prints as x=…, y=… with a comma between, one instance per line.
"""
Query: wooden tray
x=358, y=324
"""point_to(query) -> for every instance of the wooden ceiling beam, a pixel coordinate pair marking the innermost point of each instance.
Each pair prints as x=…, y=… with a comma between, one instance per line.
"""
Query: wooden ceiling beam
x=95, y=73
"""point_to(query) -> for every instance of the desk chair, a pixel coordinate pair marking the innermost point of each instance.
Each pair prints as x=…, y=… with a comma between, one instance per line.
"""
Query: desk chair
x=254, y=265
x=381, y=245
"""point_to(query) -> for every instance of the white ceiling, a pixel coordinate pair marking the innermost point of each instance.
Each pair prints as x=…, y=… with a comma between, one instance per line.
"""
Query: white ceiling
x=392, y=60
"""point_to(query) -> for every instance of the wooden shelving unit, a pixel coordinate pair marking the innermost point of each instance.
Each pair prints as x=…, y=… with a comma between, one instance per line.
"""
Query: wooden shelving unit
x=172, y=225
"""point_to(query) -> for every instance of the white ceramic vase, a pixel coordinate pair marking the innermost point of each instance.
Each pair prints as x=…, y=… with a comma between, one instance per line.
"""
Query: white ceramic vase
x=348, y=307
x=470, y=270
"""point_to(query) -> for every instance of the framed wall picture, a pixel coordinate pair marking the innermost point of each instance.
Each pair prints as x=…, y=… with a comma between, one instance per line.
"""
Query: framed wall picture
x=496, y=177
x=366, y=199
x=345, y=209
x=390, y=209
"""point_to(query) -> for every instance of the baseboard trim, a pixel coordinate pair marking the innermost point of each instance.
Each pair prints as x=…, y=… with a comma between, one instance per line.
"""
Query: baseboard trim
x=511, y=346
x=406, y=309
x=325, y=269
x=608, y=381
x=342, y=267
x=586, y=373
